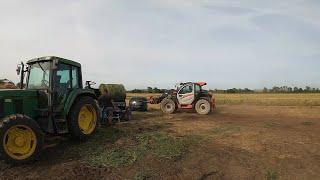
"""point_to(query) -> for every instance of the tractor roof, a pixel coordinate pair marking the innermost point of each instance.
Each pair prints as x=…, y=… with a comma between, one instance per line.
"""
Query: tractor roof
x=50, y=58
x=199, y=83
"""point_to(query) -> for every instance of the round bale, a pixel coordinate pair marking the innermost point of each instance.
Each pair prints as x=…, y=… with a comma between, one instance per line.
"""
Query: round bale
x=116, y=91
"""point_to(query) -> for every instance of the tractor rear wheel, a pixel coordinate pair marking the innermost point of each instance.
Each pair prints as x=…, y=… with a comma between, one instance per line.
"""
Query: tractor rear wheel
x=168, y=106
x=83, y=118
x=203, y=107
x=21, y=139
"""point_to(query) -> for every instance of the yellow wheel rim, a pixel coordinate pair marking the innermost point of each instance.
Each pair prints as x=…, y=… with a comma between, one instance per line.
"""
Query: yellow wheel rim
x=20, y=142
x=87, y=119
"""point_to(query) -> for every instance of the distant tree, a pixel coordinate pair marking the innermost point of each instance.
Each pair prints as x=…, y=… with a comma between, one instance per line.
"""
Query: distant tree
x=150, y=90
x=290, y=89
x=307, y=89
x=137, y=91
x=265, y=90
x=282, y=89
x=247, y=90
x=233, y=90
x=156, y=90
x=275, y=89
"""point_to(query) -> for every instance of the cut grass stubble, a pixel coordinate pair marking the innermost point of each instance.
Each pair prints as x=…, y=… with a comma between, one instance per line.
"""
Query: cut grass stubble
x=97, y=151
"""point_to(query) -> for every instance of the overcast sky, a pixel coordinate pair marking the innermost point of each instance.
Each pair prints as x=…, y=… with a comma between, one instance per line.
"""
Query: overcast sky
x=243, y=43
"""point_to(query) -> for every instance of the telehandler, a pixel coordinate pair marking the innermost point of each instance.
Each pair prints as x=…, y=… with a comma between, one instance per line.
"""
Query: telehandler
x=189, y=95
x=53, y=101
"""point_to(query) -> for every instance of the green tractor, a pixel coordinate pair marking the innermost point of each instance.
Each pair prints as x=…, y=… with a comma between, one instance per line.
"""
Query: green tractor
x=53, y=101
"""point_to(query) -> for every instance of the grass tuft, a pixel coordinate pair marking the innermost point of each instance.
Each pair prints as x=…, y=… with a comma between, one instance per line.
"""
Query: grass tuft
x=143, y=175
x=114, y=157
x=165, y=146
x=270, y=125
x=271, y=175
x=225, y=130
x=307, y=123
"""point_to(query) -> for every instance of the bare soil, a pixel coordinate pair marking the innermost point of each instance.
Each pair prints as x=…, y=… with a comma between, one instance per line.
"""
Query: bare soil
x=233, y=142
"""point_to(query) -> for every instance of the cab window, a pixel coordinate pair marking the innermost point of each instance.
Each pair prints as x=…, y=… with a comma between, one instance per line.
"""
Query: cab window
x=75, y=77
x=62, y=83
x=197, y=88
x=186, y=89
x=63, y=76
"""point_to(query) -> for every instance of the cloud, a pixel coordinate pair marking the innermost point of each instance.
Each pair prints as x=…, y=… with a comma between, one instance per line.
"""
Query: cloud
x=158, y=43
x=230, y=10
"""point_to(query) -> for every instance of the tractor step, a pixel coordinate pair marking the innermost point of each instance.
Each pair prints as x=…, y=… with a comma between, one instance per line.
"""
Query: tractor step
x=61, y=125
x=60, y=120
x=189, y=106
x=43, y=112
x=63, y=131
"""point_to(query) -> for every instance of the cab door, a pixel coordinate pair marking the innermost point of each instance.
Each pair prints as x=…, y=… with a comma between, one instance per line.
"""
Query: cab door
x=186, y=95
x=62, y=85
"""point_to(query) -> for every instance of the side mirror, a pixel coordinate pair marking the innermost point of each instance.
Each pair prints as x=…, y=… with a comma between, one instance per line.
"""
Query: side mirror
x=18, y=70
x=90, y=83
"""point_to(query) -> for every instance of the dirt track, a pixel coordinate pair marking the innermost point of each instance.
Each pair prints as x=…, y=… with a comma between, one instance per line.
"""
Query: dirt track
x=234, y=142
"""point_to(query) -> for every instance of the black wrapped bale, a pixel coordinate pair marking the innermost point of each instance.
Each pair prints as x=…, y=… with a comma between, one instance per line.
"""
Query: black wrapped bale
x=138, y=104
x=116, y=91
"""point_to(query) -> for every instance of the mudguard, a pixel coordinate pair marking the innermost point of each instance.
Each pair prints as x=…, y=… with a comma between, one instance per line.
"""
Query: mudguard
x=73, y=97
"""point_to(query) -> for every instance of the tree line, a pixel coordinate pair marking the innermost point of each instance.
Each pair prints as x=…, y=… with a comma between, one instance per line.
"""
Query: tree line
x=5, y=83
x=275, y=89
x=148, y=90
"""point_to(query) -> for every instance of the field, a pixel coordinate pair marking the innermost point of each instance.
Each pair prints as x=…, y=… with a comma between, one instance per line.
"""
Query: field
x=261, y=99
x=308, y=99
x=248, y=136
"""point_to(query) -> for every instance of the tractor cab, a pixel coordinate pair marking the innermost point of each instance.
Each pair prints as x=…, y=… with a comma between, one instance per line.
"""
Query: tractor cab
x=53, y=79
x=56, y=77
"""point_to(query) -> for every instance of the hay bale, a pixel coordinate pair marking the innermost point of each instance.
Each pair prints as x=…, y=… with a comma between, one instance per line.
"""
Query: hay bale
x=116, y=91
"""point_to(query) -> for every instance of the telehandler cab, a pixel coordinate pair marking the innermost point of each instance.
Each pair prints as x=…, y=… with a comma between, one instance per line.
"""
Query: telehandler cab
x=53, y=101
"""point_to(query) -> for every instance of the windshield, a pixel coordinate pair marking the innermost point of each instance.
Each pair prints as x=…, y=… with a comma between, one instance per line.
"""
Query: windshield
x=39, y=75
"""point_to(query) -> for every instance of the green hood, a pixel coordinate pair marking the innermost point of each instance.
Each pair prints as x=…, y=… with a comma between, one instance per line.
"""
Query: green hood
x=18, y=101
x=6, y=93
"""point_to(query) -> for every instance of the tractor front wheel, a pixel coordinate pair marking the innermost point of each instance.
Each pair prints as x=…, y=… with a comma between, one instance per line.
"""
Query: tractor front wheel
x=21, y=139
x=83, y=118
x=203, y=107
x=168, y=106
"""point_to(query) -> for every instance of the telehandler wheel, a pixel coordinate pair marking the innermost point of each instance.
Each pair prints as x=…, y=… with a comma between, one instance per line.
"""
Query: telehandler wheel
x=83, y=118
x=203, y=107
x=168, y=106
x=21, y=139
